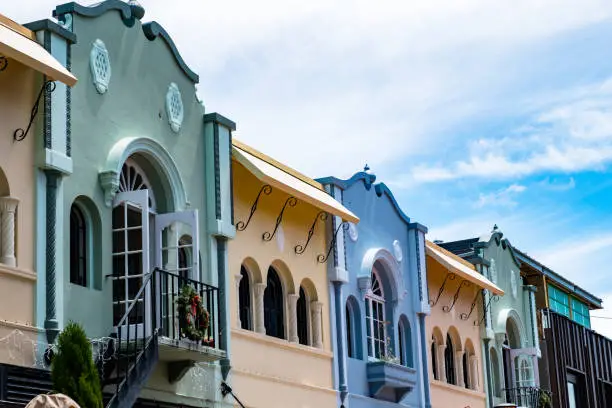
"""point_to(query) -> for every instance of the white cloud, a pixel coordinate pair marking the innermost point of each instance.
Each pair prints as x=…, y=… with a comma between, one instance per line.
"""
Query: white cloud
x=570, y=136
x=554, y=185
x=504, y=197
x=328, y=85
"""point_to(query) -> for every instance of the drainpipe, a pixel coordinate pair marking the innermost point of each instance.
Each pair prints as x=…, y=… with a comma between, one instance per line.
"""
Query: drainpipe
x=425, y=360
x=51, y=323
x=223, y=302
x=342, y=386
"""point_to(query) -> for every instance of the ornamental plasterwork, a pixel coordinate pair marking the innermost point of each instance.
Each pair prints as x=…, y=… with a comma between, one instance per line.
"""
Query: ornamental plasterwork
x=352, y=232
x=513, y=284
x=174, y=107
x=397, y=251
x=100, y=65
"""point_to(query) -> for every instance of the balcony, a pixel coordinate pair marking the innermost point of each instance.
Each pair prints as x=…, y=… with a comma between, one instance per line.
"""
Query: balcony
x=174, y=346
x=528, y=397
x=390, y=382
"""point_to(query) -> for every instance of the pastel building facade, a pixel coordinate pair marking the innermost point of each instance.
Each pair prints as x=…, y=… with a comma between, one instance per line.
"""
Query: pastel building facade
x=27, y=71
x=456, y=293
x=135, y=200
x=378, y=289
x=282, y=343
x=510, y=341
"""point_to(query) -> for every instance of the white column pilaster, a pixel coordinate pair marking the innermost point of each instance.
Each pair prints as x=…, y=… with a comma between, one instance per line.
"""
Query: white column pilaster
x=316, y=309
x=259, y=308
x=292, y=332
x=459, y=368
x=8, y=207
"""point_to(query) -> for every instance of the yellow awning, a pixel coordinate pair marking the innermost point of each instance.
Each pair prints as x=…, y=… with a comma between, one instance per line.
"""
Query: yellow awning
x=277, y=175
x=455, y=264
x=18, y=43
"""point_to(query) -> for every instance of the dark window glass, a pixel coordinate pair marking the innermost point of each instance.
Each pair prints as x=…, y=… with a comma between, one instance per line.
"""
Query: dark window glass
x=434, y=359
x=449, y=361
x=244, y=300
x=274, y=306
x=349, y=332
x=466, y=377
x=78, y=247
x=302, y=318
x=402, y=347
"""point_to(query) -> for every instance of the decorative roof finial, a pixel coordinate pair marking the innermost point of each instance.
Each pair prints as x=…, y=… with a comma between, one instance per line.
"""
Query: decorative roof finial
x=495, y=228
x=366, y=169
x=137, y=10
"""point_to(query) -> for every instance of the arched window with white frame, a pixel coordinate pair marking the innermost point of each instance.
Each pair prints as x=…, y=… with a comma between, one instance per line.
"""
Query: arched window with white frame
x=375, y=318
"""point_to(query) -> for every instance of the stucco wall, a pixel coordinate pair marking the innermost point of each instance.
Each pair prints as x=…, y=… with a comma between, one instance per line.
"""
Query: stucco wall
x=18, y=88
x=270, y=372
x=445, y=395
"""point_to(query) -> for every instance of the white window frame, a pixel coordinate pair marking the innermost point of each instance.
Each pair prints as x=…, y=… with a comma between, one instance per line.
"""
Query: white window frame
x=374, y=299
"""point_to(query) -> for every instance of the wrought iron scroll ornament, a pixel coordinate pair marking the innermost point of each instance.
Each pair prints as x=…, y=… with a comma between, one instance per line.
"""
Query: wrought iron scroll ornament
x=484, y=314
x=463, y=283
x=322, y=258
x=3, y=63
x=266, y=189
x=21, y=134
x=465, y=316
x=299, y=249
x=449, y=276
x=291, y=202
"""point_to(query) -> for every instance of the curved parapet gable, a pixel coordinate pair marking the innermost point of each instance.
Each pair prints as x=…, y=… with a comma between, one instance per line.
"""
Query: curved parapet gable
x=129, y=14
x=97, y=10
x=368, y=181
x=153, y=30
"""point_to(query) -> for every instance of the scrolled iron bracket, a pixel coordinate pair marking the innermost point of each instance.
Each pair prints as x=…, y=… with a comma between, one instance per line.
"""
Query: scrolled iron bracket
x=484, y=314
x=291, y=202
x=449, y=276
x=465, y=316
x=3, y=63
x=322, y=258
x=21, y=134
x=300, y=249
x=463, y=283
x=266, y=189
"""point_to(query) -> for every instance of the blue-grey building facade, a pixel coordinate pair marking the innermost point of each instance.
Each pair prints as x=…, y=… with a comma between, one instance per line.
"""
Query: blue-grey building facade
x=378, y=290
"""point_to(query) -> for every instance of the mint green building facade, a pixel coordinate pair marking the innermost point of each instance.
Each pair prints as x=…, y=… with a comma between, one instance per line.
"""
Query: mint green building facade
x=133, y=202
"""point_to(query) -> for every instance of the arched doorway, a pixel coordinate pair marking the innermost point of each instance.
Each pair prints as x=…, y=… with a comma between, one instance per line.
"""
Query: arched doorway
x=146, y=237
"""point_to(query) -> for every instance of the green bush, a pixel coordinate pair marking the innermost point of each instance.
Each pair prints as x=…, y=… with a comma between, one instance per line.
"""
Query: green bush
x=73, y=370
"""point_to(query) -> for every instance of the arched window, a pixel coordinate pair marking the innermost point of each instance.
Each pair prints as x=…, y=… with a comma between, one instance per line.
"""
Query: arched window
x=375, y=319
x=449, y=361
x=274, y=306
x=78, y=246
x=405, y=342
x=349, y=332
x=244, y=300
x=434, y=358
x=302, y=317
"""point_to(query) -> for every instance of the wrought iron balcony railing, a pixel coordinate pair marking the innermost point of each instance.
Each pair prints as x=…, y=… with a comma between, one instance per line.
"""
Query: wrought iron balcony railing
x=529, y=397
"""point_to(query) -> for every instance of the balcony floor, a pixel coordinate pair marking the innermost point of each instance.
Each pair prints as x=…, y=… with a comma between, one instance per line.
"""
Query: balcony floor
x=171, y=350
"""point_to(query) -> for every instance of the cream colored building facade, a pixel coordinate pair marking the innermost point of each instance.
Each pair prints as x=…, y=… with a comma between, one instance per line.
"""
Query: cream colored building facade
x=24, y=66
x=282, y=354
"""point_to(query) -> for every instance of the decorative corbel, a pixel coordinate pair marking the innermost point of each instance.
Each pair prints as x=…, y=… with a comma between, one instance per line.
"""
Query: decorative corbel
x=291, y=202
x=322, y=258
x=300, y=249
x=449, y=276
x=463, y=283
x=109, y=180
x=265, y=189
x=364, y=283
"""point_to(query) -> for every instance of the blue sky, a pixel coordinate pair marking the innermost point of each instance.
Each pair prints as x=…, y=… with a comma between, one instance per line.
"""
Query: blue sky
x=474, y=112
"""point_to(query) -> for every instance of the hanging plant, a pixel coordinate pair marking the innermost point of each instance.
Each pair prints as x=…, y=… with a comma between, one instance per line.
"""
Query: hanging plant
x=193, y=318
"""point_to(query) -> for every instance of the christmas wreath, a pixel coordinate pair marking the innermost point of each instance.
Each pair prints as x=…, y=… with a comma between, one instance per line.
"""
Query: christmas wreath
x=193, y=318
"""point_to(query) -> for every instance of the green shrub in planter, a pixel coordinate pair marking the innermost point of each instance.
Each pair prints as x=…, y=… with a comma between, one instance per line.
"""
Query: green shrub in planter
x=73, y=370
